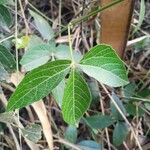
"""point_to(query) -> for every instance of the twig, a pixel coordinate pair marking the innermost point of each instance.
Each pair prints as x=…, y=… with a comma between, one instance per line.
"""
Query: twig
x=124, y=117
x=60, y=3
x=84, y=18
x=24, y=17
x=106, y=130
x=17, y=58
x=60, y=140
x=7, y=38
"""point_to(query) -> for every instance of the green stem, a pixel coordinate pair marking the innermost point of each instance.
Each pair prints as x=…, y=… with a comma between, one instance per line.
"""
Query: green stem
x=84, y=18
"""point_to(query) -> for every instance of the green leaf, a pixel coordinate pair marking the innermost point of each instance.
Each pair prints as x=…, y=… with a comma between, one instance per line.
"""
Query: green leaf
x=76, y=98
x=99, y=121
x=134, y=110
x=34, y=41
x=32, y=132
x=42, y=26
x=63, y=52
x=115, y=112
x=1, y=90
x=3, y=73
x=36, y=56
x=94, y=88
x=38, y=83
x=58, y=92
x=1, y=148
x=144, y=93
x=7, y=59
x=120, y=133
x=129, y=90
x=71, y=134
x=5, y=16
x=7, y=117
x=147, y=106
x=141, y=16
x=8, y=2
x=142, y=45
x=103, y=64
x=89, y=145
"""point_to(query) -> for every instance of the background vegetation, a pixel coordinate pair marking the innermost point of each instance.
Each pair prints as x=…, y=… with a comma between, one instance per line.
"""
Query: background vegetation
x=26, y=30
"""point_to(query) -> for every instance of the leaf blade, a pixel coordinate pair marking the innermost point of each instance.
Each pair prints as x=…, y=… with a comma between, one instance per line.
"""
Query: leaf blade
x=36, y=56
x=7, y=59
x=120, y=133
x=103, y=64
x=99, y=121
x=42, y=26
x=32, y=132
x=46, y=77
x=5, y=15
x=75, y=102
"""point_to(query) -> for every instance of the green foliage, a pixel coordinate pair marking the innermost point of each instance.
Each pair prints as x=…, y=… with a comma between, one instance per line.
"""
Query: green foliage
x=129, y=90
x=3, y=73
x=39, y=53
x=38, y=83
x=7, y=117
x=36, y=56
x=71, y=82
x=8, y=2
x=71, y=134
x=89, y=145
x=5, y=18
x=58, y=92
x=7, y=59
x=63, y=52
x=42, y=26
x=147, y=105
x=120, y=133
x=141, y=16
x=114, y=110
x=32, y=132
x=103, y=64
x=134, y=109
x=76, y=98
x=99, y=121
x=94, y=88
